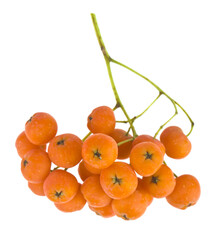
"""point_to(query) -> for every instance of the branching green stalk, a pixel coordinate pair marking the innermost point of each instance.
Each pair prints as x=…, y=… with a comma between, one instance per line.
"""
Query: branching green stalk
x=108, y=60
x=129, y=120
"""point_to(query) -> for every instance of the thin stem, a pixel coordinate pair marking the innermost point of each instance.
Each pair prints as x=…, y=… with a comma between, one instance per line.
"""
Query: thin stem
x=108, y=60
x=162, y=126
x=86, y=136
x=192, y=123
x=54, y=169
x=160, y=93
x=125, y=141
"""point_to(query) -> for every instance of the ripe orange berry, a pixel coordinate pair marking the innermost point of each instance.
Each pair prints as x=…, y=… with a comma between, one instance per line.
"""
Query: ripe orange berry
x=119, y=135
x=23, y=145
x=99, y=151
x=93, y=192
x=186, y=192
x=75, y=204
x=92, y=169
x=119, y=180
x=161, y=183
x=146, y=158
x=65, y=150
x=60, y=186
x=83, y=171
x=105, y=212
x=35, y=166
x=37, y=188
x=101, y=120
x=40, y=128
x=134, y=206
x=176, y=142
x=148, y=138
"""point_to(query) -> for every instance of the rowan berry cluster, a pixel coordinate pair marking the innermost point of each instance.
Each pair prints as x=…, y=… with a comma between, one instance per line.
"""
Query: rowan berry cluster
x=110, y=186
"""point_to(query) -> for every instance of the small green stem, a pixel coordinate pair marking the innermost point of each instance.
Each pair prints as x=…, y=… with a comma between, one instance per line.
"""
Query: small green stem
x=86, y=136
x=125, y=141
x=54, y=169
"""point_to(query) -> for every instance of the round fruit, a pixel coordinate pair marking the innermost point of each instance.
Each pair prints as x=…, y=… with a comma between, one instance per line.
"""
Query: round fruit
x=40, y=128
x=134, y=206
x=37, y=188
x=75, y=204
x=148, y=138
x=146, y=158
x=65, y=150
x=99, y=151
x=105, y=212
x=101, y=120
x=186, y=192
x=120, y=135
x=60, y=186
x=119, y=180
x=176, y=142
x=23, y=145
x=161, y=183
x=83, y=171
x=35, y=166
x=93, y=192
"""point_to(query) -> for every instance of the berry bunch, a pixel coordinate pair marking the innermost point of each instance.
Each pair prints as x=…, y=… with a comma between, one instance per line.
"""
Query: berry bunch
x=109, y=187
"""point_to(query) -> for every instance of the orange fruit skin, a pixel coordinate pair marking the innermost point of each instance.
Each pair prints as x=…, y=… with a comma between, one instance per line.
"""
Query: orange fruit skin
x=37, y=188
x=23, y=145
x=105, y=212
x=93, y=192
x=148, y=138
x=146, y=158
x=119, y=135
x=40, y=128
x=75, y=204
x=119, y=180
x=134, y=206
x=186, y=192
x=91, y=169
x=83, y=171
x=60, y=186
x=161, y=183
x=101, y=120
x=99, y=151
x=176, y=142
x=65, y=150
x=35, y=166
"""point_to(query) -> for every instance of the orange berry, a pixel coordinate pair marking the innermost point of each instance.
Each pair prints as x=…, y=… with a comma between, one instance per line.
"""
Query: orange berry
x=65, y=150
x=37, y=188
x=176, y=142
x=119, y=135
x=60, y=186
x=23, y=145
x=93, y=192
x=161, y=183
x=35, y=166
x=83, y=171
x=119, y=180
x=148, y=138
x=101, y=120
x=99, y=151
x=134, y=206
x=75, y=204
x=92, y=169
x=40, y=128
x=146, y=158
x=105, y=212
x=186, y=192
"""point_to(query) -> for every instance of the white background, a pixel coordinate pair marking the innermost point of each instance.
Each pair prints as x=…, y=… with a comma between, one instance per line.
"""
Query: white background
x=50, y=61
